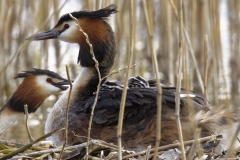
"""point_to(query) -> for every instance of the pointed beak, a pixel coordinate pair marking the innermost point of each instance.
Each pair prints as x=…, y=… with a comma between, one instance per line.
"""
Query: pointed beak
x=63, y=85
x=51, y=34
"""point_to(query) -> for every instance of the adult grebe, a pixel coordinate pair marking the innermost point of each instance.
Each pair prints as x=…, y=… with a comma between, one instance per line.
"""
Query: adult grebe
x=37, y=85
x=139, y=126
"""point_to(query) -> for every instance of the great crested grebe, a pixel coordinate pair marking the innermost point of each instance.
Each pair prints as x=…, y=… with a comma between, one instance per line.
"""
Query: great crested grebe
x=37, y=85
x=139, y=126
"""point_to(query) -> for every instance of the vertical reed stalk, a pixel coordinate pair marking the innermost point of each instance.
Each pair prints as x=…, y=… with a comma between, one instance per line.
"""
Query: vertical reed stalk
x=205, y=65
x=26, y=123
x=159, y=95
x=124, y=93
x=67, y=110
x=232, y=142
x=178, y=87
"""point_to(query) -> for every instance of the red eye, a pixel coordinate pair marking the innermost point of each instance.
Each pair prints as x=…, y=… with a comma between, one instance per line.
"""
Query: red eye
x=49, y=80
x=66, y=26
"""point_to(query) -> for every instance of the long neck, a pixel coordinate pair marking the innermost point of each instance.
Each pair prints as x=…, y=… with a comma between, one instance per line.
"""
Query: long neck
x=103, y=42
x=91, y=84
x=7, y=117
x=102, y=39
x=83, y=87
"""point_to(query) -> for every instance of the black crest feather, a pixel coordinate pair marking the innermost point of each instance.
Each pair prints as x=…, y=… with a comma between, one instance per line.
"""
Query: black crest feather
x=37, y=72
x=102, y=13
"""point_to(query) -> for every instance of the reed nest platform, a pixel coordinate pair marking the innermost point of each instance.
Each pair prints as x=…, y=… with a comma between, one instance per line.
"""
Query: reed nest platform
x=102, y=150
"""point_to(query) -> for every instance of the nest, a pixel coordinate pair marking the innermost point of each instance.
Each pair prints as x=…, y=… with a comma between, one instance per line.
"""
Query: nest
x=199, y=149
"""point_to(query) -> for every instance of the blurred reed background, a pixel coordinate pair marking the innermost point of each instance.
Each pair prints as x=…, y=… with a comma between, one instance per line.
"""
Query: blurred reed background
x=213, y=23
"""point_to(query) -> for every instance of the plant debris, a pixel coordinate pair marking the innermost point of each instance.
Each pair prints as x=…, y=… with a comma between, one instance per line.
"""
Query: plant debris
x=99, y=149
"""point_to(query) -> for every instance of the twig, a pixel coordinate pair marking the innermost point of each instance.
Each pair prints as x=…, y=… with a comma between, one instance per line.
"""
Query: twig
x=78, y=135
x=178, y=87
x=56, y=150
x=152, y=155
x=195, y=143
x=42, y=156
x=101, y=155
x=205, y=65
x=26, y=123
x=11, y=144
x=23, y=148
x=117, y=71
x=159, y=95
x=99, y=79
x=124, y=92
x=71, y=148
x=148, y=152
x=67, y=110
x=18, y=145
x=110, y=145
x=175, y=145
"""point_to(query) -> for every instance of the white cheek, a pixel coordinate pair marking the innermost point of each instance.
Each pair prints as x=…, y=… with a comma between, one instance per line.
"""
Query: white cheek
x=51, y=90
x=47, y=88
x=69, y=35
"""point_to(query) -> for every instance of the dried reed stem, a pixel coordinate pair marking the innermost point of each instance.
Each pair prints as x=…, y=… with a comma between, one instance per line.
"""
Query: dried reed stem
x=230, y=148
x=148, y=152
x=205, y=65
x=66, y=114
x=124, y=93
x=43, y=156
x=27, y=146
x=26, y=123
x=119, y=70
x=99, y=79
x=170, y=54
x=56, y=150
x=179, y=78
x=159, y=94
x=11, y=144
x=176, y=145
x=195, y=144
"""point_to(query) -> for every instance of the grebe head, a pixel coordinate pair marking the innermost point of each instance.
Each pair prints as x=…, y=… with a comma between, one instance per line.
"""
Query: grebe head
x=46, y=81
x=37, y=85
x=98, y=30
